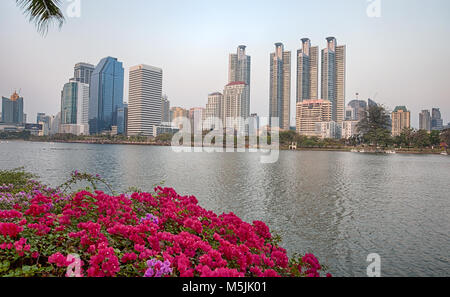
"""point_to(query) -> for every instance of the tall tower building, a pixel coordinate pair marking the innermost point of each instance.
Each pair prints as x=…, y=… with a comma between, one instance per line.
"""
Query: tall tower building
x=425, y=120
x=75, y=103
x=12, y=110
x=75, y=108
x=106, y=95
x=334, y=77
x=307, y=71
x=83, y=72
x=280, y=86
x=239, y=71
x=401, y=119
x=197, y=116
x=213, y=109
x=436, y=120
x=144, y=106
x=165, y=109
x=234, y=101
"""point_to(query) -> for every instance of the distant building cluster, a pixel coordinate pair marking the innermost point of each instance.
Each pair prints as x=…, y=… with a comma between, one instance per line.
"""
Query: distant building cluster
x=92, y=102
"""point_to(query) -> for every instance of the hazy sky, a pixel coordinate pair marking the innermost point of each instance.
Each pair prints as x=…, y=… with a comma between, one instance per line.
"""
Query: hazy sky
x=401, y=57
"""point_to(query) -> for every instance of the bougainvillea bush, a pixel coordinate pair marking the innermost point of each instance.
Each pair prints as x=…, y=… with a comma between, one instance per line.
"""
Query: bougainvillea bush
x=45, y=232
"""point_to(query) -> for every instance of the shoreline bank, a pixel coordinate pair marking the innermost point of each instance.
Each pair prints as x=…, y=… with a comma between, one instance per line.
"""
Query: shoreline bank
x=282, y=148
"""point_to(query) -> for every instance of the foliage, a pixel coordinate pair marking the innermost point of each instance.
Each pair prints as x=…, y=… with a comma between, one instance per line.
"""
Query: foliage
x=445, y=136
x=164, y=138
x=24, y=135
x=77, y=177
x=14, y=181
x=417, y=138
x=45, y=233
x=374, y=127
x=42, y=12
x=288, y=137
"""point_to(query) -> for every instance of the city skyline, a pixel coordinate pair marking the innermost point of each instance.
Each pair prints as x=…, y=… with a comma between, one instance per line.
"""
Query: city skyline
x=377, y=43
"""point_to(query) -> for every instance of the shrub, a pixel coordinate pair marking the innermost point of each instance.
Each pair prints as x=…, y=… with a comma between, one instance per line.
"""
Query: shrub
x=46, y=233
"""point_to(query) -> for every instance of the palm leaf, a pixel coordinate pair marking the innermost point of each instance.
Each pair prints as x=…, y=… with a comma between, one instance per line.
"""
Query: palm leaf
x=42, y=12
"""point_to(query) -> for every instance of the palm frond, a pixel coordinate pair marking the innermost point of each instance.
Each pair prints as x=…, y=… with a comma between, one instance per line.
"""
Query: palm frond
x=43, y=13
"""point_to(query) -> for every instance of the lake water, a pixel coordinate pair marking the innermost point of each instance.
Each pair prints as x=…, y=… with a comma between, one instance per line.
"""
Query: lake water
x=340, y=206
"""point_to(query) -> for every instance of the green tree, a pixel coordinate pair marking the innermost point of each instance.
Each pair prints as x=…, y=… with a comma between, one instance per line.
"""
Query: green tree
x=445, y=137
x=407, y=137
x=42, y=13
x=421, y=139
x=287, y=137
x=374, y=127
x=435, y=138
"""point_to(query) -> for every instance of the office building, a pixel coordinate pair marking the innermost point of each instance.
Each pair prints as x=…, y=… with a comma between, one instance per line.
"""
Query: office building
x=75, y=108
x=425, y=120
x=436, y=120
x=280, y=86
x=83, y=73
x=196, y=117
x=106, y=95
x=356, y=110
x=165, y=109
x=144, y=106
x=12, y=110
x=45, y=121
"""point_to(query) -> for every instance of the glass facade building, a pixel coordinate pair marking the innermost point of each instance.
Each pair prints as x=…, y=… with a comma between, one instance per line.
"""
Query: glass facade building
x=83, y=72
x=12, y=110
x=69, y=104
x=106, y=95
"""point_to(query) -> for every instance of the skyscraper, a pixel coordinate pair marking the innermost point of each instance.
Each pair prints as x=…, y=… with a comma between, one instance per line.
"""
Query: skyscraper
x=425, y=120
x=196, y=116
x=144, y=109
x=240, y=71
x=401, y=119
x=12, y=110
x=234, y=103
x=334, y=77
x=75, y=108
x=307, y=71
x=213, y=109
x=44, y=120
x=280, y=86
x=436, y=120
x=165, y=109
x=83, y=72
x=358, y=110
x=106, y=95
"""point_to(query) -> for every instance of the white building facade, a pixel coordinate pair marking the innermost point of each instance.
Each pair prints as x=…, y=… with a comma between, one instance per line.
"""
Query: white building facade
x=145, y=100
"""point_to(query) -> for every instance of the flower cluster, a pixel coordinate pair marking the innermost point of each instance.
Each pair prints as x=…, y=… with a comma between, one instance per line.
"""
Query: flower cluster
x=157, y=268
x=150, y=218
x=142, y=234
